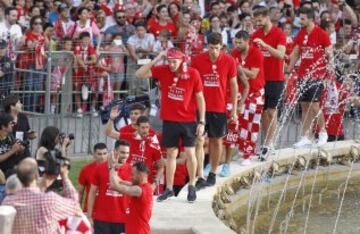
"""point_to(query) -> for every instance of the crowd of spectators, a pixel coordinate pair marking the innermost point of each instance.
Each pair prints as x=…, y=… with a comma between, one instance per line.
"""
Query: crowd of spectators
x=138, y=29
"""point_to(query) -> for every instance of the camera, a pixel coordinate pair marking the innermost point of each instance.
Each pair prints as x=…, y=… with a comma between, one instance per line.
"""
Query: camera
x=63, y=135
x=124, y=107
x=53, y=163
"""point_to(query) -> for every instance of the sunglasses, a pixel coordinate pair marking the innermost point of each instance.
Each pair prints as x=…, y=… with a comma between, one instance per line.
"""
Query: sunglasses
x=121, y=17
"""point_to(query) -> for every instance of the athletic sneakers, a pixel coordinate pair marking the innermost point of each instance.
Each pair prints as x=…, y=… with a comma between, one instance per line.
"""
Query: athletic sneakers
x=79, y=113
x=165, y=195
x=191, y=197
x=94, y=113
x=211, y=179
x=200, y=183
x=246, y=162
x=304, y=142
x=225, y=170
x=207, y=169
x=323, y=138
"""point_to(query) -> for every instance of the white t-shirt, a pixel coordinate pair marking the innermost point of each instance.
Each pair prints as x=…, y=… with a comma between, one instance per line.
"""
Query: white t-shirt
x=15, y=31
x=145, y=42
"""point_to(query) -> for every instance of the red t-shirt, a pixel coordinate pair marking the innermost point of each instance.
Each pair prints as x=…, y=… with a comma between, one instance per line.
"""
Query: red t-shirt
x=155, y=28
x=254, y=59
x=130, y=129
x=140, y=211
x=312, y=52
x=85, y=178
x=143, y=150
x=215, y=78
x=178, y=98
x=110, y=205
x=85, y=53
x=274, y=67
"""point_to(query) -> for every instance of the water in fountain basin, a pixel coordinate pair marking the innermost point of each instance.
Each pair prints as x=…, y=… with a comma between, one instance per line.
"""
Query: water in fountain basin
x=322, y=216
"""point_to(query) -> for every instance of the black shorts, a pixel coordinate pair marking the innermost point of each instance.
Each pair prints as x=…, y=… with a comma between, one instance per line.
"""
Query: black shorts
x=174, y=131
x=216, y=124
x=310, y=90
x=101, y=227
x=273, y=93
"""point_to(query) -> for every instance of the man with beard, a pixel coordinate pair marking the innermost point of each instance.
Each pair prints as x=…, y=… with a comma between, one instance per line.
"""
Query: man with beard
x=140, y=193
x=313, y=47
x=271, y=40
x=121, y=27
x=250, y=62
x=106, y=207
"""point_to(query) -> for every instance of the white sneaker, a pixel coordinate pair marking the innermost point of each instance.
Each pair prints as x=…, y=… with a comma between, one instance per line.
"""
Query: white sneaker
x=79, y=113
x=323, y=137
x=304, y=142
x=94, y=113
x=52, y=109
x=246, y=162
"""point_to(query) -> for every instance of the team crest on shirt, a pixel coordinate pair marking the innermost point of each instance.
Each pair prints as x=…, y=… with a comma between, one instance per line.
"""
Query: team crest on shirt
x=176, y=93
x=112, y=193
x=211, y=80
x=307, y=53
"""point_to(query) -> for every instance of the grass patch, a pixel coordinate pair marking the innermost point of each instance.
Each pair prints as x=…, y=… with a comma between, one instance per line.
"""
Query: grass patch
x=75, y=170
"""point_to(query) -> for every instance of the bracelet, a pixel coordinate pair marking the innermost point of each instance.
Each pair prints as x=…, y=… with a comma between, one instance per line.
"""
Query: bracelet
x=201, y=122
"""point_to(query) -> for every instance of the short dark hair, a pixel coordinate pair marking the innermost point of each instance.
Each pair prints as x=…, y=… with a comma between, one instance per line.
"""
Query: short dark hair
x=242, y=34
x=5, y=119
x=261, y=11
x=84, y=34
x=142, y=119
x=34, y=18
x=215, y=38
x=214, y=4
x=47, y=25
x=9, y=101
x=81, y=9
x=309, y=12
x=137, y=106
x=141, y=167
x=119, y=143
x=140, y=23
x=100, y=146
x=242, y=16
x=160, y=7
x=9, y=9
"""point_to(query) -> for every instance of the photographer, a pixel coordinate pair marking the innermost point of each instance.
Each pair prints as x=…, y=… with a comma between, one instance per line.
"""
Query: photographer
x=21, y=129
x=50, y=139
x=11, y=150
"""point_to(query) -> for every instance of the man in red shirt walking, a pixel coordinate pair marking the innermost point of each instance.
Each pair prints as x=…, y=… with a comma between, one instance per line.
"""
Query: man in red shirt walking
x=271, y=40
x=140, y=193
x=85, y=176
x=181, y=95
x=106, y=207
x=313, y=47
x=218, y=72
x=250, y=62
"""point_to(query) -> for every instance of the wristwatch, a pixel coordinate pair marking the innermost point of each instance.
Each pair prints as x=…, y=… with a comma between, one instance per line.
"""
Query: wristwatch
x=201, y=122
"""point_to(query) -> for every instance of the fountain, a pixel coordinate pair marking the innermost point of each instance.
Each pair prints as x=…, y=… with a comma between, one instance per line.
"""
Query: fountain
x=310, y=190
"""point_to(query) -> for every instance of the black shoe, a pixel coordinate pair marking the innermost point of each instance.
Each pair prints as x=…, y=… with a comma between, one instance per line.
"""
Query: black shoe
x=191, y=197
x=211, y=179
x=165, y=195
x=200, y=184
